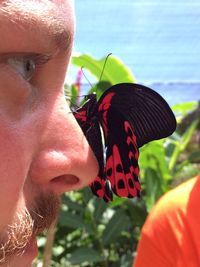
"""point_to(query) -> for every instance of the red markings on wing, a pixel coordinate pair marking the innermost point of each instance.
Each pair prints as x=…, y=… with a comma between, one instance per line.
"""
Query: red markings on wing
x=121, y=186
x=101, y=188
x=103, y=109
x=123, y=183
x=81, y=115
x=97, y=187
x=120, y=170
x=105, y=104
x=134, y=184
x=129, y=131
x=109, y=170
x=131, y=185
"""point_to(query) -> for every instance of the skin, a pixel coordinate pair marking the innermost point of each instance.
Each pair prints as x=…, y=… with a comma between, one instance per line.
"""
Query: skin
x=43, y=151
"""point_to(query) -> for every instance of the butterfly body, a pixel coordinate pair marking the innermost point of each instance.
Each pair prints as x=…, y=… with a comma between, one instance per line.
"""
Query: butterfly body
x=130, y=116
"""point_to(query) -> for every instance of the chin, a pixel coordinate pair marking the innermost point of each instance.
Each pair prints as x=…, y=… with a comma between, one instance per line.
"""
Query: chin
x=29, y=254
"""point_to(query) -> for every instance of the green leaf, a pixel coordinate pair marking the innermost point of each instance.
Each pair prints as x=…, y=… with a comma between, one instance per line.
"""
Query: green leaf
x=126, y=260
x=117, y=201
x=185, y=108
x=188, y=134
x=82, y=255
x=72, y=205
x=194, y=156
x=153, y=187
x=86, y=194
x=118, y=223
x=137, y=211
x=186, y=171
x=71, y=220
x=153, y=156
x=99, y=207
x=182, y=144
x=115, y=71
x=73, y=96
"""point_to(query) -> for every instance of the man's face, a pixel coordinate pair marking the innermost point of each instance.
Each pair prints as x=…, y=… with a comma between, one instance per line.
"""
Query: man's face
x=43, y=152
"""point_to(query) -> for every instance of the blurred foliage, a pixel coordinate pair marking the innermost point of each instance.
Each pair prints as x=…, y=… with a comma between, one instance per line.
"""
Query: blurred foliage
x=92, y=233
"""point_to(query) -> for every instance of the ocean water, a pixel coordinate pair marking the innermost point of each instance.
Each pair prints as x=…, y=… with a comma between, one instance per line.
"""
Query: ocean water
x=158, y=40
x=178, y=92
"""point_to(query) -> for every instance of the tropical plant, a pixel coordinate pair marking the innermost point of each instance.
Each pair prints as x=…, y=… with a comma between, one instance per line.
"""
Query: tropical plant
x=92, y=233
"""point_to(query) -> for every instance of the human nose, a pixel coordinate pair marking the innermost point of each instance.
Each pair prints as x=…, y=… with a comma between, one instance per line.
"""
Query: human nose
x=64, y=160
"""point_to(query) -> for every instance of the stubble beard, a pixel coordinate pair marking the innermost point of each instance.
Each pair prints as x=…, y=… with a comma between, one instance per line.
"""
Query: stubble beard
x=27, y=225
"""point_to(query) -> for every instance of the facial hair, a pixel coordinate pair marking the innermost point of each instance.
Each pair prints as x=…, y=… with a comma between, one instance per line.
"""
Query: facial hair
x=28, y=224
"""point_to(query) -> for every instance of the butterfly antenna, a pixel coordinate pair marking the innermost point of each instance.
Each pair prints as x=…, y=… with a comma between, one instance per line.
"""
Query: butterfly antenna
x=104, y=66
x=86, y=77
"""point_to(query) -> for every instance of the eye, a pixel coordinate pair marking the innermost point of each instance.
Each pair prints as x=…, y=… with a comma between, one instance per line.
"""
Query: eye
x=23, y=65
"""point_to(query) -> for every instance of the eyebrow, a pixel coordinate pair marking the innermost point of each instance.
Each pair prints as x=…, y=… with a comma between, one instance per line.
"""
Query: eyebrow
x=62, y=39
x=59, y=35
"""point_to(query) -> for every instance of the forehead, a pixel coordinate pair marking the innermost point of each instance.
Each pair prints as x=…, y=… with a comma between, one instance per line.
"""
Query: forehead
x=35, y=19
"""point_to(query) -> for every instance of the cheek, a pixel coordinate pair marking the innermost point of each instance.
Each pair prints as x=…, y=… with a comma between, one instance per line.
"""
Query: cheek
x=13, y=170
x=14, y=93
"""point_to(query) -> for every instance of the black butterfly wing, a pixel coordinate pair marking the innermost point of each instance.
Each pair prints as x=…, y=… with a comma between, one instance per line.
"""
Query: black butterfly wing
x=88, y=121
x=147, y=112
x=122, y=154
x=131, y=115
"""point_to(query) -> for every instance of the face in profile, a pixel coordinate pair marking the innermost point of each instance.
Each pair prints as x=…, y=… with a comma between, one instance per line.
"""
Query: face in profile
x=43, y=151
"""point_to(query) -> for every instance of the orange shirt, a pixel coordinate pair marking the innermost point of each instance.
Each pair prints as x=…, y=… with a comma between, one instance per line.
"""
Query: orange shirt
x=171, y=234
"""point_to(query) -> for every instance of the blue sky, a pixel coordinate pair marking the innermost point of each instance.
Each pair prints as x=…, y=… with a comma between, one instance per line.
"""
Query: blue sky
x=159, y=40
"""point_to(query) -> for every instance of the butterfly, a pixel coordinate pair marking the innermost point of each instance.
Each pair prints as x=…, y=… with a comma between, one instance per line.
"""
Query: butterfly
x=129, y=115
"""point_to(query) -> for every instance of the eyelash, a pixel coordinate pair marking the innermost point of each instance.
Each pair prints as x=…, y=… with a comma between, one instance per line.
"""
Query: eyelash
x=39, y=59
x=17, y=60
